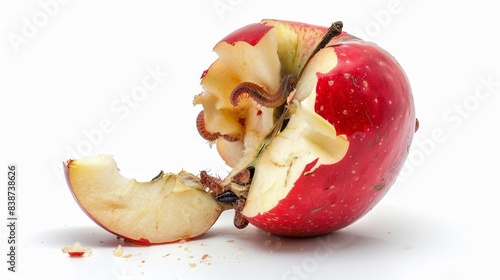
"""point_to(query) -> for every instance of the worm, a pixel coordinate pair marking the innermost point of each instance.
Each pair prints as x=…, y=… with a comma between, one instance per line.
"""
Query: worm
x=214, y=184
x=200, y=125
x=261, y=95
x=209, y=136
x=239, y=204
x=243, y=177
x=239, y=220
x=231, y=138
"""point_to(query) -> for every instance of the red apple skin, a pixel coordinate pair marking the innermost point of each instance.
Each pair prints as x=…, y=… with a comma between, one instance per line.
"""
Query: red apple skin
x=251, y=34
x=368, y=98
x=76, y=254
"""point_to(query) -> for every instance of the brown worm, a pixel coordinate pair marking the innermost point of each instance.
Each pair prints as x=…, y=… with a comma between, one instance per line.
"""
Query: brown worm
x=214, y=184
x=209, y=136
x=231, y=138
x=239, y=220
x=200, y=125
x=261, y=95
x=243, y=177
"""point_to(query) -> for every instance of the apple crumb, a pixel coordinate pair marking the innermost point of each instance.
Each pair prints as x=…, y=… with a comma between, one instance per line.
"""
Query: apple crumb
x=118, y=251
x=77, y=250
x=408, y=247
x=192, y=265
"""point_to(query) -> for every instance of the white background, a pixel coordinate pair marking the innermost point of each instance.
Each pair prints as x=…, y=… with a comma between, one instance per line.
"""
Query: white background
x=69, y=64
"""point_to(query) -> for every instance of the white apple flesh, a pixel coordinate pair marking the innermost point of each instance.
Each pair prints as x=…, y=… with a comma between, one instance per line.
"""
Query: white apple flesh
x=169, y=208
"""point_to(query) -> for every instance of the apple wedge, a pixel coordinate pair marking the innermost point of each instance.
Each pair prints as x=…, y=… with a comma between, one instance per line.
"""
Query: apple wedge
x=169, y=208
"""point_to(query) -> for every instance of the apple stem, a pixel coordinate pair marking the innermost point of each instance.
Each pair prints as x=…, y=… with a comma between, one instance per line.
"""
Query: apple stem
x=334, y=30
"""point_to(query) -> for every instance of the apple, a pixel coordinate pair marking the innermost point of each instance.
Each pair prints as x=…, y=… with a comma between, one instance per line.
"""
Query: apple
x=320, y=121
x=169, y=208
x=315, y=123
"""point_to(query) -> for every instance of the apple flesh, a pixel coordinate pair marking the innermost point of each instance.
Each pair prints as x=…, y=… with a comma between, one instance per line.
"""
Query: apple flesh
x=169, y=208
x=351, y=123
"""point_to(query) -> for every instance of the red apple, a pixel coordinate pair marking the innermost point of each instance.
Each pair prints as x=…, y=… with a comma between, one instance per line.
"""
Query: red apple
x=322, y=149
x=169, y=208
x=315, y=123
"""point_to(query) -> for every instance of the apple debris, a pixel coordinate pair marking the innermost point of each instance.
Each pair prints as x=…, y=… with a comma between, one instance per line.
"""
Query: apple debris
x=118, y=251
x=77, y=250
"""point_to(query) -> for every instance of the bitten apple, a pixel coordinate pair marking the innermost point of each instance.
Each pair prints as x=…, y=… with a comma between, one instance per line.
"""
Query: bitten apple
x=315, y=123
x=169, y=208
x=324, y=130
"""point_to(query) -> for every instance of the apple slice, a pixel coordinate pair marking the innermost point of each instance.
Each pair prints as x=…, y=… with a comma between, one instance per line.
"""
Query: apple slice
x=169, y=208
